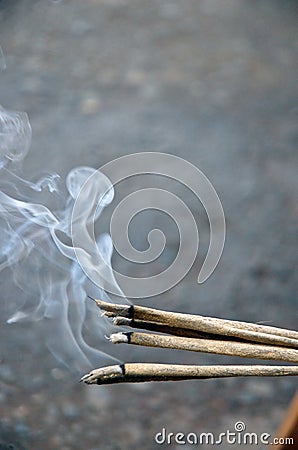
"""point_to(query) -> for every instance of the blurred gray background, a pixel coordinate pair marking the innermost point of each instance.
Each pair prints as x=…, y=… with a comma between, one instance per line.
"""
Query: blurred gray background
x=214, y=82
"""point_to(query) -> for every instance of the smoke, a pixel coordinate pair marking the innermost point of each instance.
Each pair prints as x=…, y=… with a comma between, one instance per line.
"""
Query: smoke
x=2, y=60
x=36, y=247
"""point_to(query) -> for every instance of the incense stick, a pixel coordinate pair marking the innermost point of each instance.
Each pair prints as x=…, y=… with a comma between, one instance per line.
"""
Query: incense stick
x=140, y=372
x=243, y=330
x=163, y=328
x=241, y=349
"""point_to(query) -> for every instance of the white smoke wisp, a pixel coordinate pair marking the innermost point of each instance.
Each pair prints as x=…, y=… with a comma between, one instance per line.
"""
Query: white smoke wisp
x=2, y=60
x=36, y=246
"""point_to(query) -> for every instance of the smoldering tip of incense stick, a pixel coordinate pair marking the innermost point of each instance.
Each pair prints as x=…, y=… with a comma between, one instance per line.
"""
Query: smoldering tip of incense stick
x=104, y=375
x=113, y=309
x=122, y=321
x=119, y=338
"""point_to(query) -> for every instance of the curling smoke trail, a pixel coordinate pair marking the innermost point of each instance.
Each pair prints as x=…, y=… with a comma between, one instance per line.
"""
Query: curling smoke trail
x=35, y=245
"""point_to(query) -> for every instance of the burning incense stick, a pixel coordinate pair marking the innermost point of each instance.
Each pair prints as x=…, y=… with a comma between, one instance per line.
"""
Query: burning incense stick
x=140, y=372
x=243, y=330
x=194, y=333
x=207, y=346
x=163, y=328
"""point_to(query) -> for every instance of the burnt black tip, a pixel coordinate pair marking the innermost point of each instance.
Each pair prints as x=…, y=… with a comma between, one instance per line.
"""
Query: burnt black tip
x=131, y=312
x=128, y=335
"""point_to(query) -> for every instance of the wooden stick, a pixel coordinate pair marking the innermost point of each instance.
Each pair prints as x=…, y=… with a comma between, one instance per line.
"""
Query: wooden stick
x=243, y=330
x=241, y=349
x=140, y=372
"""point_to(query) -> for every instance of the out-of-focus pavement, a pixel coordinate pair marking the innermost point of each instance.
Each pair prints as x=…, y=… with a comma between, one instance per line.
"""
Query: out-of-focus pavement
x=214, y=82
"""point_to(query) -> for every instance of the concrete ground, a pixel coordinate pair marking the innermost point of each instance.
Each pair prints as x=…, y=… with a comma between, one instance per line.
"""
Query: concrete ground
x=211, y=81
